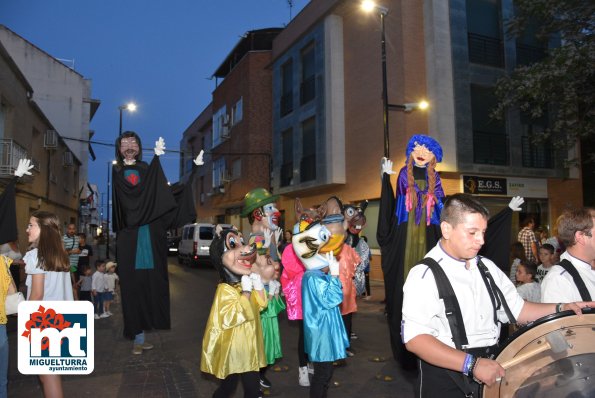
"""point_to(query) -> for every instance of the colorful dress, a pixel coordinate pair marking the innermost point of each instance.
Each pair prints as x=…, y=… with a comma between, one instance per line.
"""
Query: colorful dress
x=270, y=329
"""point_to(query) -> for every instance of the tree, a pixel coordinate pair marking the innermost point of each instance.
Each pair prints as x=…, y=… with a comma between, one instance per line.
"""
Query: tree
x=562, y=84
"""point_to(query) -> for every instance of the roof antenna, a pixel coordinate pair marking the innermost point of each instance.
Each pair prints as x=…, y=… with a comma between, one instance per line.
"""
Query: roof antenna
x=290, y=4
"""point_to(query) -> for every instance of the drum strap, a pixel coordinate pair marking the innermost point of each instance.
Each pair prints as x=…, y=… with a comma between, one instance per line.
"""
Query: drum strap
x=578, y=281
x=496, y=294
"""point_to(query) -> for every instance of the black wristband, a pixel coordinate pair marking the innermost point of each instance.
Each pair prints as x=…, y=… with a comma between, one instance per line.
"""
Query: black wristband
x=559, y=307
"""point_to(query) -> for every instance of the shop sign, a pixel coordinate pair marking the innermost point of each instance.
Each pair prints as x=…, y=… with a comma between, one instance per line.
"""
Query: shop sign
x=527, y=187
x=477, y=185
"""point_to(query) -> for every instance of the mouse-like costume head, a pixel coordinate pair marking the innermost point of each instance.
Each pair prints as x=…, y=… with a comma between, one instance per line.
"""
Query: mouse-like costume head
x=355, y=218
x=266, y=267
x=307, y=243
x=230, y=256
x=129, y=149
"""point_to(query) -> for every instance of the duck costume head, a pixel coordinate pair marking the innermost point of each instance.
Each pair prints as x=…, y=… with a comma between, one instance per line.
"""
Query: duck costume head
x=307, y=241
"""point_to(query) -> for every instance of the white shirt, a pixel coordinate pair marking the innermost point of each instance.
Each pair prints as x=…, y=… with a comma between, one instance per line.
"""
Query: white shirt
x=530, y=292
x=558, y=286
x=110, y=281
x=57, y=285
x=98, y=282
x=423, y=310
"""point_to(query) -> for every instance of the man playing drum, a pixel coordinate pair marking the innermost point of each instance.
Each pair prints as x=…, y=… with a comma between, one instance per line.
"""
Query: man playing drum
x=427, y=330
x=576, y=228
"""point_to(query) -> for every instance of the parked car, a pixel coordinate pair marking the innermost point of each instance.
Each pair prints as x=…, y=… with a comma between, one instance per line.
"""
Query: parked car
x=193, y=249
x=172, y=245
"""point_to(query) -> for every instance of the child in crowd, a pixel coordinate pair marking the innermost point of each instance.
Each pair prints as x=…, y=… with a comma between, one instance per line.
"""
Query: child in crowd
x=547, y=255
x=528, y=288
x=48, y=275
x=111, y=282
x=98, y=289
x=85, y=284
x=517, y=256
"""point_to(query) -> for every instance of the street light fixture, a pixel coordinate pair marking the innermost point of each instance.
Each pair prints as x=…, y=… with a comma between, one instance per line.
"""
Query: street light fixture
x=130, y=107
x=369, y=6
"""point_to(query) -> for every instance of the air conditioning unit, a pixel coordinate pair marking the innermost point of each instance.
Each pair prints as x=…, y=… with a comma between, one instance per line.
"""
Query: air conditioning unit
x=50, y=140
x=225, y=134
x=67, y=159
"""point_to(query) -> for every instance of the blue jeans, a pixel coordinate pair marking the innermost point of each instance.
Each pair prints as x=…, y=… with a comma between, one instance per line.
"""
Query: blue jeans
x=3, y=361
x=98, y=303
x=139, y=338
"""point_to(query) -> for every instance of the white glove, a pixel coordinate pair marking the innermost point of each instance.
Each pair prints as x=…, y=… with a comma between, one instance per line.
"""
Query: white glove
x=159, y=147
x=246, y=283
x=333, y=264
x=199, y=159
x=515, y=203
x=278, y=234
x=268, y=235
x=273, y=287
x=256, y=281
x=386, y=166
x=23, y=168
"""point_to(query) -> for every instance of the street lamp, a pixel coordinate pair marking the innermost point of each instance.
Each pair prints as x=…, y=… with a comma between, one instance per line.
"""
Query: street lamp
x=369, y=6
x=107, y=229
x=130, y=107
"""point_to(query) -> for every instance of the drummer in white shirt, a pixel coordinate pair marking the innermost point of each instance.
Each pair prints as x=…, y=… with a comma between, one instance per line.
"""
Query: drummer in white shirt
x=576, y=228
x=425, y=329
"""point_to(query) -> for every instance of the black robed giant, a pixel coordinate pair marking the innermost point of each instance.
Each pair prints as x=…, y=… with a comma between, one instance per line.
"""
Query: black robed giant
x=392, y=240
x=8, y=213
x=147, y=200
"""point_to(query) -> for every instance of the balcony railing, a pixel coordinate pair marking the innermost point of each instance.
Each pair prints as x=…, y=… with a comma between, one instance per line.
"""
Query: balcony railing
x=10, y=153
x=527, y=55
x=490, y=148
x=539, y=156
x=485, y=50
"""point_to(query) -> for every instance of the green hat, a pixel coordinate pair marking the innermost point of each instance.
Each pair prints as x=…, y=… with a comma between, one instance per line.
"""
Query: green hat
x=257, y=198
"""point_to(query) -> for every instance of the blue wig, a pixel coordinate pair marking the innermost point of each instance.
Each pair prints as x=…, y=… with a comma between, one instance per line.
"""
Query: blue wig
x=428, y=142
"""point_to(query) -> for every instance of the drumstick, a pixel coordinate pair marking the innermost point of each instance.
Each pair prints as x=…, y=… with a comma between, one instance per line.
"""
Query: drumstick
x=554, y=341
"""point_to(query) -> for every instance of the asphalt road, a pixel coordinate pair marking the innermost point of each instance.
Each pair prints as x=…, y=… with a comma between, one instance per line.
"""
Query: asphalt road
x=172, y=368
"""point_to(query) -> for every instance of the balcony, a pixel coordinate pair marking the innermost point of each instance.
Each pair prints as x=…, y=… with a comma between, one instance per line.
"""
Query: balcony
x=490, y=148
x=10, y=153
x=539, y=155
x=527, y=55
x=485, y=50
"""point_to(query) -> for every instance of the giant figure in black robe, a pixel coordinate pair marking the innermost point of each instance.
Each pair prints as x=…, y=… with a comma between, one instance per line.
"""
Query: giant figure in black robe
x=392, y=238
x=144, y=208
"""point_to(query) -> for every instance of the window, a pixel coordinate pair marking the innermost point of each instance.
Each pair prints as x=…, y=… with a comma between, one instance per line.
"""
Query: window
x=218, y=172
x=484, y=33
x=308, y=84
x=237, y=112
x=536, y=154
x=236, y=169
x=219, y=129
x=286, y=88
x=490, y=141
x=205, y=233
x=308, y=163
x=287, y=158
x=530, y=49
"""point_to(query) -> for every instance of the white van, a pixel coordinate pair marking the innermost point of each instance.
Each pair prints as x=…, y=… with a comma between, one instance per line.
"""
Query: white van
x=194, y=244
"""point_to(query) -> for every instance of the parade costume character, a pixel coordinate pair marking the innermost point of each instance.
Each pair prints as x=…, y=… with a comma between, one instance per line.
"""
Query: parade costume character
x=325, y=338
x=144, y=208
x=262, y=213
x=291, y=282
x=232, y=345
x=346, y=256
x=356, y=220
x=269, y=274
x=408, y=227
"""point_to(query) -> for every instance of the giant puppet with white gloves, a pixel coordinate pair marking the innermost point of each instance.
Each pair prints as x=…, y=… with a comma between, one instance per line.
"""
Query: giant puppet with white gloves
x=409, y=226
x=144, y=208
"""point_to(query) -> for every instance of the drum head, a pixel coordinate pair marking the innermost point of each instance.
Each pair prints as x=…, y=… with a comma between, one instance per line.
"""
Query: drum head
x=555, y=355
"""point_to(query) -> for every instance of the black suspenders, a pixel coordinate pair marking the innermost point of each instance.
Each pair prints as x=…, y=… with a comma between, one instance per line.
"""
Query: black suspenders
x=578, y=281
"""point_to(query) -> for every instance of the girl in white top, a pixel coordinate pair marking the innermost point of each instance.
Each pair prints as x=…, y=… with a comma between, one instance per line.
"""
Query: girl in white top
x=528, y=288
x=48, y=275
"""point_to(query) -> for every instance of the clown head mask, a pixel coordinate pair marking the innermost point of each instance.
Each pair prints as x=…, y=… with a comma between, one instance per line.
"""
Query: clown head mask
x=261, y=210
x=230, y=256
x=307, y=243
x=128, y=148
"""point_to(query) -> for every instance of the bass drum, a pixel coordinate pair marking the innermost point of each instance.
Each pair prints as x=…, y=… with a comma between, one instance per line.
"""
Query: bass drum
x=555, y=358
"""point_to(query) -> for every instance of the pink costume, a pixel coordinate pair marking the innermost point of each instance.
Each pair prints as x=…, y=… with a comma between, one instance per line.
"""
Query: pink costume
x=348, y=260
x=291, y=282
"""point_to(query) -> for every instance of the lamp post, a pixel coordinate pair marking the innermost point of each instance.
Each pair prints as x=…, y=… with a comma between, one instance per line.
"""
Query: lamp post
x=130, y=107
x=369, y=6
